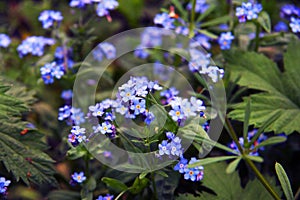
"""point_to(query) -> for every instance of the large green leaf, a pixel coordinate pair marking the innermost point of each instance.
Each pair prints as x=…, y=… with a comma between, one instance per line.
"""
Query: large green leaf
x=20, y=146
x=280, y=97
x=227, y=186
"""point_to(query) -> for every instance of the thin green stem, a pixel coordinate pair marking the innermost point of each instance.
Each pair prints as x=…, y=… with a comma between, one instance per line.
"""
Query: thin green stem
x=120, y=195
x=261, y=178
x=87, y=165
x=154, y=185
x=257, y=36
x=192, y=22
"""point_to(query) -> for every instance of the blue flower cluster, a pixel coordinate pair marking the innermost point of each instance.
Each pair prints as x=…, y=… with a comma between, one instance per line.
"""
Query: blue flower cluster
x=251, y=134
x=201, y=6
x=170, y=147
x=225, y=40
x=4, y=40
x=131, y=98
x=77, y=135
x=174, y=22
x=103, y=7
x=57, y=68
x=104, y=49
x=150, y=37
x=78, y=177
x=71, y=115
x=34, y=45
x=292, y=14
x=3, y=185
x=50, y=71
x=181, y=109
x=49, y=17
x=200, y=63
x=193, y=174
x=248, y=11
x=107, y=197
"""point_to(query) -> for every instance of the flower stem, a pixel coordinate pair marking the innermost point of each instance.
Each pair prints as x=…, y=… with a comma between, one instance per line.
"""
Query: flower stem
x=192, y=22
x=260, y=177
x=257, y=36
x=154, y=185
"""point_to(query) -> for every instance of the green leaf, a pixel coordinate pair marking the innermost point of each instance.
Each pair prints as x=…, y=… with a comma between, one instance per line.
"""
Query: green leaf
x=216, y=21
x=284, y=181
x=208, y=34
x=280, y=97
x=265, y=21
x=255, y=158
x=179, y=6
x=206, y=13
x=21, y=154
x=228, y=186
x=138, y=185
x=207, y=161
x=63, y=195
x=233, y=165
x=115, y=184
x=165, y=186
x=271, y=141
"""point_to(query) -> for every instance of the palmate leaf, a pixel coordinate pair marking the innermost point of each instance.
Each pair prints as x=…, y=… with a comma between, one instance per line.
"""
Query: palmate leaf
x=21, y=154
x=280, y=96
x=227, y=186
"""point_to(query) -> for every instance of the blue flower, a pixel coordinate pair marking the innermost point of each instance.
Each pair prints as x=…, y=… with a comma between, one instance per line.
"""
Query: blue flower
x=281, y=27
x=164, y=20
x=3, y=185
x=138, y=106
x=182, y=30
x=79, y=3
x=4, y=40
x=77, y=116
x=107, y=197
x=181, y=165
x=105, y=5
x=295, y=24
x=106, y=49
x=48, y=17
x=195, y=173
x=176, y=113
x=127, y=94
x=164, y=148
x=64, y=113
x=200, y=39
x=149, y=117
x=61, y=54
x=289, y=10
x=51, y=70
x=199, y=61
x=97, y=110
x=34, y=45
x=225, y=40
x=201, y=6
x=139, y=52
x=248, y=11
x=105, y=127
x=78, y=177
x=66, y=95
x=215, y=73
x=175, y=147
x=169, y=95
x=170, y=135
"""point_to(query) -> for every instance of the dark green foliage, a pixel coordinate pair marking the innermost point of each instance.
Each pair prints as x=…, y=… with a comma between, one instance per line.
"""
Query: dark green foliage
x=21, y=147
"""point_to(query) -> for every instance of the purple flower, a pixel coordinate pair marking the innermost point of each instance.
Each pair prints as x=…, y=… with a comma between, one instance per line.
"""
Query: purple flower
x=195, y=173
x=225, y=40
x=105, y=6
x=78, y=177
x=287, y=11
x=48, y=17
x=106, y=49
x=4, y=40
x=64, y=113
